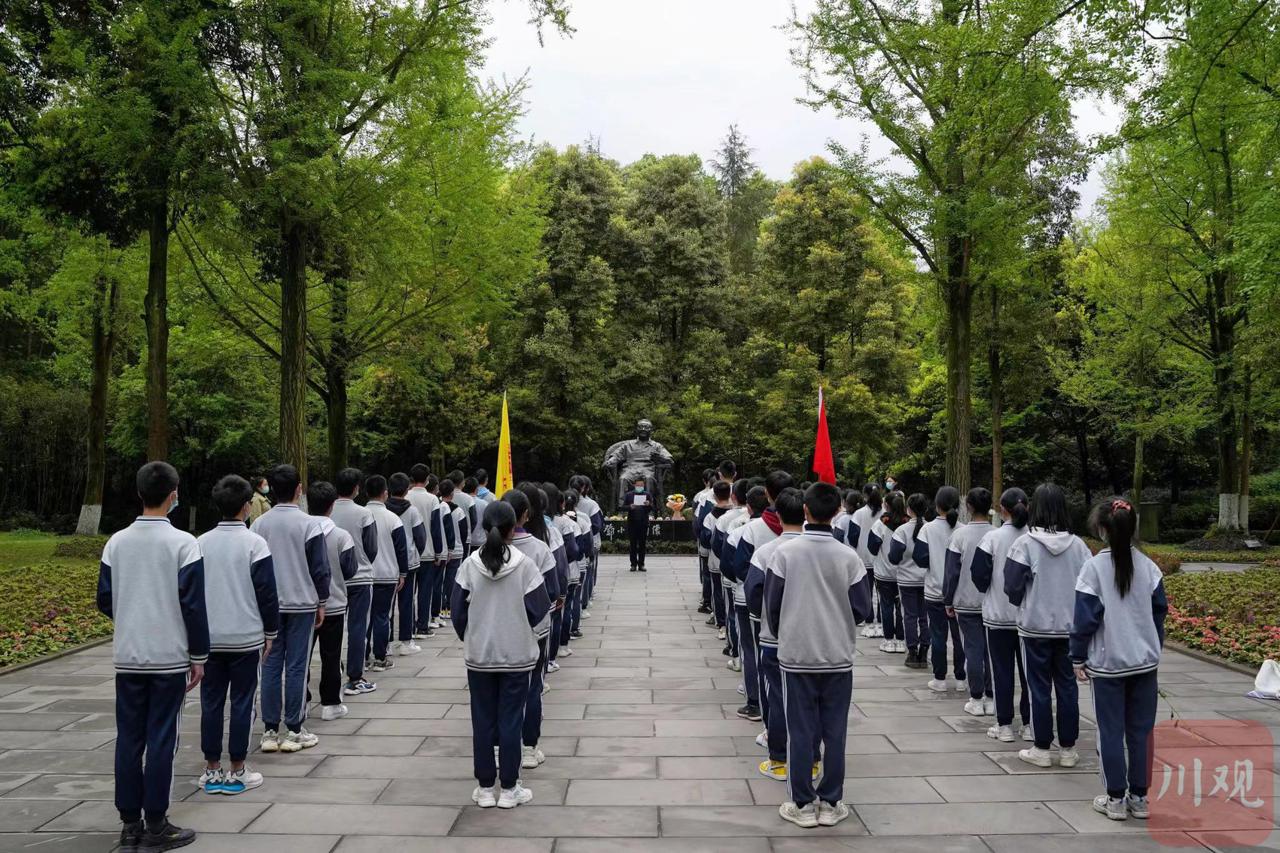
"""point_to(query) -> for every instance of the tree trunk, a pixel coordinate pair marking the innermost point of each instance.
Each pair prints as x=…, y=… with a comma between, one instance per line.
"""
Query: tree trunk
x=293, y=350
x=1135, y=494
x=1082, y=448
x=997, y=402
x=959, y=407
x=156, y=313
x=1109, y=462
x=336, y=415
x=106, y=303
x=1228, y=432
x=339, y=360
x=1246, y=445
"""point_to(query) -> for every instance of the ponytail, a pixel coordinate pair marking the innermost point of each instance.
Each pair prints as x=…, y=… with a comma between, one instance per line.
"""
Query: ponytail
x=873, y=499
x=919, y=504
x=1014, y=502
x=895, y=511
x=536, y=523
x=1114, y=521
x=947, y=500
x=499, y=520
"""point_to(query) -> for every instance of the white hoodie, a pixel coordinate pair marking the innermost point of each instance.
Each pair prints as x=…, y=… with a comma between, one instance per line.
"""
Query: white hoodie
x=1040, y=577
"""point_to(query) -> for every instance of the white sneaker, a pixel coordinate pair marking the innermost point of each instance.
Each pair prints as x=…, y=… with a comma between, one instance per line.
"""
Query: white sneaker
x=333, y=712
x=409, y=648
x=937, y=685
x=1004, y=734
x=1068, y=757
x=512, y=797
x=742, y=690
x=973, y=707
x=436, y=624
x=898, y=646
x=1036, y=756
x=886, y=645
x=359, y=687
x=585, y=614
x=805, y=818
x=210, y=781
x=291, y=742
x=1138, y=807
x=270, y=742
x=566, y=651
x=237, y=782
x=877, y=630
x=720, y=635
x=484, y=798
x=552, y=666
x=531, y=757
x=546, y=688
x=1115, y=809
x=762, y=740
x=734, y=665
x=867, y=631
x=830, y=815
x=962, y=686
x=989, y=707
x=1028, y=734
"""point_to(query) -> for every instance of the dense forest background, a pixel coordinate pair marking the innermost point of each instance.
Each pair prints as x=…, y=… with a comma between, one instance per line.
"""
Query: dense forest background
x=235, y=234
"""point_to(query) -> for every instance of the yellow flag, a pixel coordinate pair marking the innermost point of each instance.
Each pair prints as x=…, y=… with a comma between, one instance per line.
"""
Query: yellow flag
x=505, y=480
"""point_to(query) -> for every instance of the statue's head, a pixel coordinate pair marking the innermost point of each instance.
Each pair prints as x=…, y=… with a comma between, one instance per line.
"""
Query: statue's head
x=644, y=429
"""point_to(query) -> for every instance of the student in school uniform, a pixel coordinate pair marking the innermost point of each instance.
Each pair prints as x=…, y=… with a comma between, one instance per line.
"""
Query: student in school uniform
x=431, y=560
x=640, y=508
x=931, y=552
x=357, y=521
x=553, y=502
x=1116, y=638
x=893, y=515
x=471, y=488
x=585, y=545
x=456, y=532
x=416, y=534
x=588, y=506
x=1040, y=577
x=498, y=598
x=738, y=548
x=563, y=518
x=341, y=551
x=858, y=536
x=482, y=490
x=301, y=563
x=722, y=493
x=789, y=505
x=910, y=578
x=734, y=518
x=390, y=568
x=701, y=505
x=462, y=499
x=244, y=616
x=151, y=585
x=440, y=530
x=814, y=594
x=840, y=524
x=1000, y=616
x=531, y=539
x=963, y=600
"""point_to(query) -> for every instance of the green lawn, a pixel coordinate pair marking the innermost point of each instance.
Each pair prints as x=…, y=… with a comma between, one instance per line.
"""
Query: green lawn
x=47, y=600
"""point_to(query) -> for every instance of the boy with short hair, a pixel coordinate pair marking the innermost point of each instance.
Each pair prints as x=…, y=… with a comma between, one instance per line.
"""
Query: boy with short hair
x=456, y=533
x=357, y=522
x=702, y=503
x=734, y=518
x=431, y=561
x=588, y=506
x=482, y=490
x=341, y=551
x=244, y=616
x=417, y=535
x=738, y=548
x=471, y=487
x=389, y=570
x=151, y=585
x=302, y=586
x=468, y=504
x=814, y=595
x=721, y=494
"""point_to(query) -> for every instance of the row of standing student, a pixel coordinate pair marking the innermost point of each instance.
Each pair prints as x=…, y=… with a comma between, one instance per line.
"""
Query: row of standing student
x=1026, y=597
x=211, y=611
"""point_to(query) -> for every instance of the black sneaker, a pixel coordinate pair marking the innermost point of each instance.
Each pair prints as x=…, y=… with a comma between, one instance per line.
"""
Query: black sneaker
x=704, y=608
x=130, y=837
x=577, y=635
x=727, y=652
x=711, y=620
x=643, y=569
x=750, y=712
x=167, y=837
x=633, y=568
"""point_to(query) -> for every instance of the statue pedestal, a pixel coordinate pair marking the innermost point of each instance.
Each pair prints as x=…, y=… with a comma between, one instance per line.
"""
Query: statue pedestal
x=668, y=529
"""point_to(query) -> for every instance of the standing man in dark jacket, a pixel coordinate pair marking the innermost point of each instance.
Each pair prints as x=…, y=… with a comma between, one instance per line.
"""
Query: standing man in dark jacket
x=639, y=504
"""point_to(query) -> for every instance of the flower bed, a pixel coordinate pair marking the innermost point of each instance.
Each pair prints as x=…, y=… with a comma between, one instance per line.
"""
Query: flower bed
x=1235, y=615
x=46, y=604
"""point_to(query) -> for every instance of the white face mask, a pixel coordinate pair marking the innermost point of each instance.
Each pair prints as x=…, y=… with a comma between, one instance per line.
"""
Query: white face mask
x=264, y=489
x=174, y=505
x=890, y=484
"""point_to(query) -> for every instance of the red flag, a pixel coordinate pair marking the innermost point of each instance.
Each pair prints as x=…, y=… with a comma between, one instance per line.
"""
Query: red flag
x=823, y=463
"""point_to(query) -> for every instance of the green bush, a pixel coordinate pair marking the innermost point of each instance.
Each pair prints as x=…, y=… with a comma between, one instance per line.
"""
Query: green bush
x=1235, y=615
x=48, y=606
x=80, y=547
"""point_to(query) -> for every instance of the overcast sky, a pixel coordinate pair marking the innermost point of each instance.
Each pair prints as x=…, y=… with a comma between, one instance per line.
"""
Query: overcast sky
x=670, y=76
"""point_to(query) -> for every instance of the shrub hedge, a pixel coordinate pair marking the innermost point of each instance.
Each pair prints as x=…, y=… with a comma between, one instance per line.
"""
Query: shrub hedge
x=1235, y=615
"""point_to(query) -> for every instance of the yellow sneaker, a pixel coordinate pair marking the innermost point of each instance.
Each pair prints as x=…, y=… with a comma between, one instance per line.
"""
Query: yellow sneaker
x=774, y=770
x=817, y=769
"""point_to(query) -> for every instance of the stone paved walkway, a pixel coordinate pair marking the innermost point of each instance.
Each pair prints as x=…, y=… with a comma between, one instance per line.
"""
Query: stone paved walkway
x=645, y=754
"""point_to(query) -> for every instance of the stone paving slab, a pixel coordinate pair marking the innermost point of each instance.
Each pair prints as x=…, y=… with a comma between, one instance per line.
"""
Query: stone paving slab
x=645, y=754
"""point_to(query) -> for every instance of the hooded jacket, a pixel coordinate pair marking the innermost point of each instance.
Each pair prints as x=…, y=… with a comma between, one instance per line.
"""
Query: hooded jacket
x=545, y=562
x=493, y=614
x=1116, y=635
x=902, y=554
x=988, y=576
x=1040, y=577
x=958, y=589
x=930, y=552
x=751, y=537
